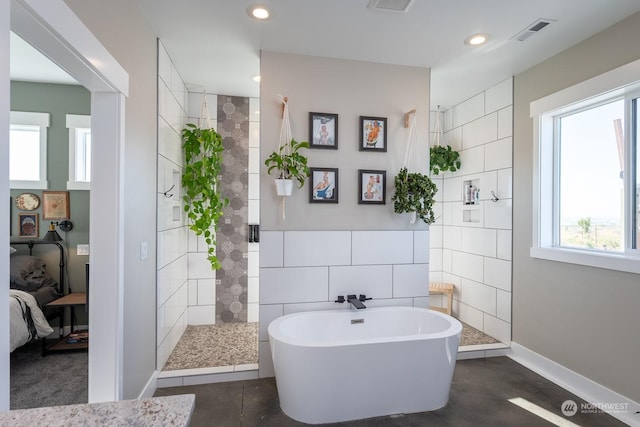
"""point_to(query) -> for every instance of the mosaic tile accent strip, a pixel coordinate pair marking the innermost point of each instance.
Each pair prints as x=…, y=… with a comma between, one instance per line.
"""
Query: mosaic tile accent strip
x=207, y=346
x=232, y=247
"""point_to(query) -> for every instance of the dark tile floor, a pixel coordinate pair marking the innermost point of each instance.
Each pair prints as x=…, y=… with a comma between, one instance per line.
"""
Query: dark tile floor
x=479, y=397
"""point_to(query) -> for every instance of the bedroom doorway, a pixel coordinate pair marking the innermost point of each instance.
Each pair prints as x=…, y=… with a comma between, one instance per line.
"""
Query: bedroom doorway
x=54, y=30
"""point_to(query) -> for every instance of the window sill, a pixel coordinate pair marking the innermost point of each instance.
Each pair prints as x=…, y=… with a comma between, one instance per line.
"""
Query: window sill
x=28, y=185
x=609, y=261
x=78, y=185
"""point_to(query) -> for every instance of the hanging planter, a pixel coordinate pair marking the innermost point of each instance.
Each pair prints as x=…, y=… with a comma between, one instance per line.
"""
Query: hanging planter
x=290, y=167
x=284, y=187
x=414, y=193
x=203, y=201
x=287, y=161
x=442, y=158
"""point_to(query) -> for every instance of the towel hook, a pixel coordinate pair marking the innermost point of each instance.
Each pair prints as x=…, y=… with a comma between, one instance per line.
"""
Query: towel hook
x=166, y=193
x=494, y=198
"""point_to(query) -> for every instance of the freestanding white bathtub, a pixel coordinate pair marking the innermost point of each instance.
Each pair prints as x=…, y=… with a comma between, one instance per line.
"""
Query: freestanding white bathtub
x=341, y=365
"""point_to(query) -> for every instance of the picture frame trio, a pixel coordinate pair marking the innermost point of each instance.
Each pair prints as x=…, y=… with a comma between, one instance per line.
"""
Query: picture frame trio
x=55, y=206
x=324, y=184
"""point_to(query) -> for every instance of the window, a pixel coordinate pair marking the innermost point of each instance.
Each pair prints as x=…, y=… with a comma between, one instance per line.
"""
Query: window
x=586, y=179
x=79, y=152
x=28, y=150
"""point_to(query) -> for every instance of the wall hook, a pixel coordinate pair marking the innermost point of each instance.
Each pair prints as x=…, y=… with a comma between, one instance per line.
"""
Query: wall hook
x=494, y=198
x=168, y=196
x=407, y=116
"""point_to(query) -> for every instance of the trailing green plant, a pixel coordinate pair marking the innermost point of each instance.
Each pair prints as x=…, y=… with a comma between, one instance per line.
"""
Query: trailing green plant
x=290, y=166
x=443, y=158
x=414, y=193
x=203, y=201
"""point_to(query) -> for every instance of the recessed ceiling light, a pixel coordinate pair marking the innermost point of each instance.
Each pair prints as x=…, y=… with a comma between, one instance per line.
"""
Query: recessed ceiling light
x=258, y=11
x=256, y=79
x=476, y=39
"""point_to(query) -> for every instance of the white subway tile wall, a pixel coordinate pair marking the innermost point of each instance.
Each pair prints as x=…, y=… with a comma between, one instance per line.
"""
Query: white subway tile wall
x=476, y=239
x=174, y=290
x=308, y=270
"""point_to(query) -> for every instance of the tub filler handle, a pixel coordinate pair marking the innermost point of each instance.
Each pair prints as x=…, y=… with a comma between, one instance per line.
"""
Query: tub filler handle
x=340, y=299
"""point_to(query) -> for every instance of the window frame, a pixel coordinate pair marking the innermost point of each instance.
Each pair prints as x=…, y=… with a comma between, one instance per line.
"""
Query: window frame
x=41, y=120
x=619, y=83
x=74, y=122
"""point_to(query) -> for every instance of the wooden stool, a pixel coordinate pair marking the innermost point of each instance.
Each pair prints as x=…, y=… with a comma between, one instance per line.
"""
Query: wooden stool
x=442, y=289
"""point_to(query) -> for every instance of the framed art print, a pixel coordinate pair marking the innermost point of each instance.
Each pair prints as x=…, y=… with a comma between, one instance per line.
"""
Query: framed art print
x=324, y=185
x=28, y=225
x=371, y=187
x=323, y=130
x=55, y=205
x=373, y=134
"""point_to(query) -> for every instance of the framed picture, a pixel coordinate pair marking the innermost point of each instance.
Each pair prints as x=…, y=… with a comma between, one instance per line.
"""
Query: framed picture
x=323, y=130
x=324, y=185
x=28, y=225
x=55, y=205
x=373, y=134
x=371, y=187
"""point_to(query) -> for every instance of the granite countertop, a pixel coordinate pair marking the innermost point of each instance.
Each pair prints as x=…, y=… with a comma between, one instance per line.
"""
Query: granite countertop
x=155, y=411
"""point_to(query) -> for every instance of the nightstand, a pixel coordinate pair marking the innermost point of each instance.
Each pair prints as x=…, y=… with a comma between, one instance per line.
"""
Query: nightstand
x=74, y=340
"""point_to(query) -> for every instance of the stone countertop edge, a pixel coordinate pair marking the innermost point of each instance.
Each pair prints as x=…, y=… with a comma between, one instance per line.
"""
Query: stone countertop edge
x=151, y=412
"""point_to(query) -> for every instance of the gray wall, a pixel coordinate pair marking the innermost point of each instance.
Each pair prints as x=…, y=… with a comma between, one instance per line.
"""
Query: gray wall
x=57, y=100
x=583, y=318
x=120, y=27
x=349, y=89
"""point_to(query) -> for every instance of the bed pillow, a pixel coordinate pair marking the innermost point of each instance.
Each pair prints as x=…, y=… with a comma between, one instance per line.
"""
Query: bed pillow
x=27, y=273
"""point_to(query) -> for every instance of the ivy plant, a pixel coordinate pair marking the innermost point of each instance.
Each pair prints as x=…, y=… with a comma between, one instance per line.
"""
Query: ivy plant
x=443, y=158
x=414, y=192
x=203, y=202
x=290, y=166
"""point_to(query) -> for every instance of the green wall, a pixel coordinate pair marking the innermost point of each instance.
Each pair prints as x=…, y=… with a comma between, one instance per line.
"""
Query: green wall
x=57, y=100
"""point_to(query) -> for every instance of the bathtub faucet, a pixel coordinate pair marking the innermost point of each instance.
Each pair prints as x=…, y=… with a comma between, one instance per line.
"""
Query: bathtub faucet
x=357, y=302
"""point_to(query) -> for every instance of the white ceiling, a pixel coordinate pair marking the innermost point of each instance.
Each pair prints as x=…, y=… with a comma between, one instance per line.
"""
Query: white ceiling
x=29, y=65
x=215, y=45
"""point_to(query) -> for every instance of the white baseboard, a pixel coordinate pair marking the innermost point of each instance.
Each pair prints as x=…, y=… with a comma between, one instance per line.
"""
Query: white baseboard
x=150, y=387
x=577, y=384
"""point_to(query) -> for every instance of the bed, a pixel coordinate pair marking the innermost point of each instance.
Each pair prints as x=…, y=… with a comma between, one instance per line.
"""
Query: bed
x=31, y=288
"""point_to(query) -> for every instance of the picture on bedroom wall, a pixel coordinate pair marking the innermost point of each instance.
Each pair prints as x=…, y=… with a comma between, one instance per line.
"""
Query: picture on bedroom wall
x=55, y=205
x=371, y=187
x=323, y=130
x=28, y=225
x=324, y=185
x=373, y=134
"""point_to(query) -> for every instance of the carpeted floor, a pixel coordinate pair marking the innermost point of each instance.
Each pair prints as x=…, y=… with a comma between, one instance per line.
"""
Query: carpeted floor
x=57, y=379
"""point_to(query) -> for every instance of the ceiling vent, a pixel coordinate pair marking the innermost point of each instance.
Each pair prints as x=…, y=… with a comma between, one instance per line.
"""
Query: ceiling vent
x=390, y=5
x=532, y=29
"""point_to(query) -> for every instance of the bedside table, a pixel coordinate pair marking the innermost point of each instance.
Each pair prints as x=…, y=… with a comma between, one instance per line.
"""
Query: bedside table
x=74, y=340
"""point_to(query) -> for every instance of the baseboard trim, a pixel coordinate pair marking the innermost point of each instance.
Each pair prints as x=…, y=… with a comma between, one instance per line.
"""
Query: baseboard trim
x=577, y=384
x=150, y=387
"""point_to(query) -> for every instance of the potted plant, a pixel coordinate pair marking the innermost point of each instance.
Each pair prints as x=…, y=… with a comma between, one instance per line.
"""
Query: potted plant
x=414, y=193
x=203, y=202
x=443, y=158
x=290, y=167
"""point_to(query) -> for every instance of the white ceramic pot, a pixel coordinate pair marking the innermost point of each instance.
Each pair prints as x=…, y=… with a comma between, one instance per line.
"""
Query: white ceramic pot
x=284, y=187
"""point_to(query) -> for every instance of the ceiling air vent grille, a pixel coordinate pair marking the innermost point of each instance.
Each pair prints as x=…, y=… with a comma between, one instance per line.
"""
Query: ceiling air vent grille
x=532, y=29
x=390, y=5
